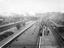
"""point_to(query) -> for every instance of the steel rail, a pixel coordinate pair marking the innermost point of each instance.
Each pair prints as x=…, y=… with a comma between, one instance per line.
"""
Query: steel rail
x=58, y=36
x=11, y=38
x=10, y=25
x=8, y=30
x=57, y=25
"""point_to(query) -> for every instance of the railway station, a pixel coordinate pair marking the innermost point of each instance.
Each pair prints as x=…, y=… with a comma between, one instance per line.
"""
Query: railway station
x=31, y=23
x=32, y=34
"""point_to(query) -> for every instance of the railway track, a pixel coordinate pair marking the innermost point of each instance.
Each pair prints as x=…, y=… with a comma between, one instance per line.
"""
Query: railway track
x=10, y=25
x=4, y=43
x=58, y=34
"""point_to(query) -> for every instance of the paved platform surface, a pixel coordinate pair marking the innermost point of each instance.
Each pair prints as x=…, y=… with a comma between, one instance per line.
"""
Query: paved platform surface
x=48, y=41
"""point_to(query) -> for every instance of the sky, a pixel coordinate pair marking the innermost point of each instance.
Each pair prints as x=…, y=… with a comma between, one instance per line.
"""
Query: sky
x=8, y=7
